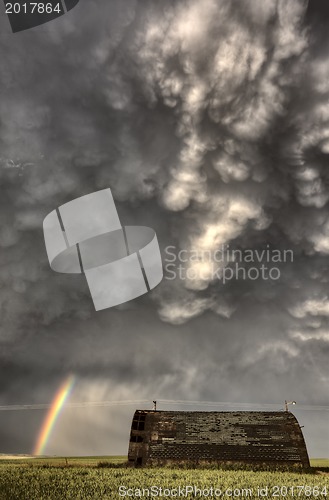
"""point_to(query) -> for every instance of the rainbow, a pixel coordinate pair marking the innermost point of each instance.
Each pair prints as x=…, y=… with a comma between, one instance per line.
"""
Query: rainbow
x=56, y=406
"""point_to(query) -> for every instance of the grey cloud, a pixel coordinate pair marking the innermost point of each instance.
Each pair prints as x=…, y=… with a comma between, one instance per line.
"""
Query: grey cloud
x=208, y=121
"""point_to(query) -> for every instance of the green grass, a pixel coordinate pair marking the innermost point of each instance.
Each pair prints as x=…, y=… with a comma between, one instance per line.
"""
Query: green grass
x=33, y=482
x=64, y=461
x=320, y=462
x=82, y=478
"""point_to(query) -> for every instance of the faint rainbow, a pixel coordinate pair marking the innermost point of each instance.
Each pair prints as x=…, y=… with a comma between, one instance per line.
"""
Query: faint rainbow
x=56, y=406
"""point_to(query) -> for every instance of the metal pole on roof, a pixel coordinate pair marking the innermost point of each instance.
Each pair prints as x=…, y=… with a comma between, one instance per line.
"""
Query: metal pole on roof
x=287, y=403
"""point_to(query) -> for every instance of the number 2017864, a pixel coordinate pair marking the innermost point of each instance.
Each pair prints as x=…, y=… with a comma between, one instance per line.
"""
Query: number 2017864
x=33, y=8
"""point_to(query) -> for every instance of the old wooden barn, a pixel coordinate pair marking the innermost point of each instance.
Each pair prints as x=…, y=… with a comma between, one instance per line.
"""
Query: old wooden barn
x=200, y=437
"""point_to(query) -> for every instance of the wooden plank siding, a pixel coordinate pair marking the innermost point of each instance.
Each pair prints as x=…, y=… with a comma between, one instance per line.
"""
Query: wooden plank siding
x=200, y=437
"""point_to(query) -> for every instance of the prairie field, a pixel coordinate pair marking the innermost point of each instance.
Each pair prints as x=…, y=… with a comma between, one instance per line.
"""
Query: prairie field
x=99, y=478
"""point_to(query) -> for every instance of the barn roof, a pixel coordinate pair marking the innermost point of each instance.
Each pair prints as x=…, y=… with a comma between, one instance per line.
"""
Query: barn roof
x=192, y=436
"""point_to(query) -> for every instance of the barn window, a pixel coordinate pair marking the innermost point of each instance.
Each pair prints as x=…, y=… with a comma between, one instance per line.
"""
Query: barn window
x=134, y=425
x=139, y=423
x=136, y=439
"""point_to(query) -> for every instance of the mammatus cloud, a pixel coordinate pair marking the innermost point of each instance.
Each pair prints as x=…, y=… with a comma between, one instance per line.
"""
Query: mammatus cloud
x=313, y=307
x=232, y=144
x=231, y=75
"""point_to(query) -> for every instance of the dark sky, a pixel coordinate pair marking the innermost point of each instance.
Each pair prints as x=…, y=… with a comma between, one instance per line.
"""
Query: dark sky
x=209, y=121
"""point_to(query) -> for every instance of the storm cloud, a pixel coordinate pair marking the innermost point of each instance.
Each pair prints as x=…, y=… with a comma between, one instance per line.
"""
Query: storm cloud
x=209, y=121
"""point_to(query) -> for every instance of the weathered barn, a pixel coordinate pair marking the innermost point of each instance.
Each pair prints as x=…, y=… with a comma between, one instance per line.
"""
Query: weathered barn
x=161, y=437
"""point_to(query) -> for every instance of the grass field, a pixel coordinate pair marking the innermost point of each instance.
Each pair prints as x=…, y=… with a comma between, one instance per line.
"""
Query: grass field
x=62, y=461
x=99, y=478
x=319, y=462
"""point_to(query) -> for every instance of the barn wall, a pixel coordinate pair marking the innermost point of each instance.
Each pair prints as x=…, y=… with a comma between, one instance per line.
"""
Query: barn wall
x=160, y=437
